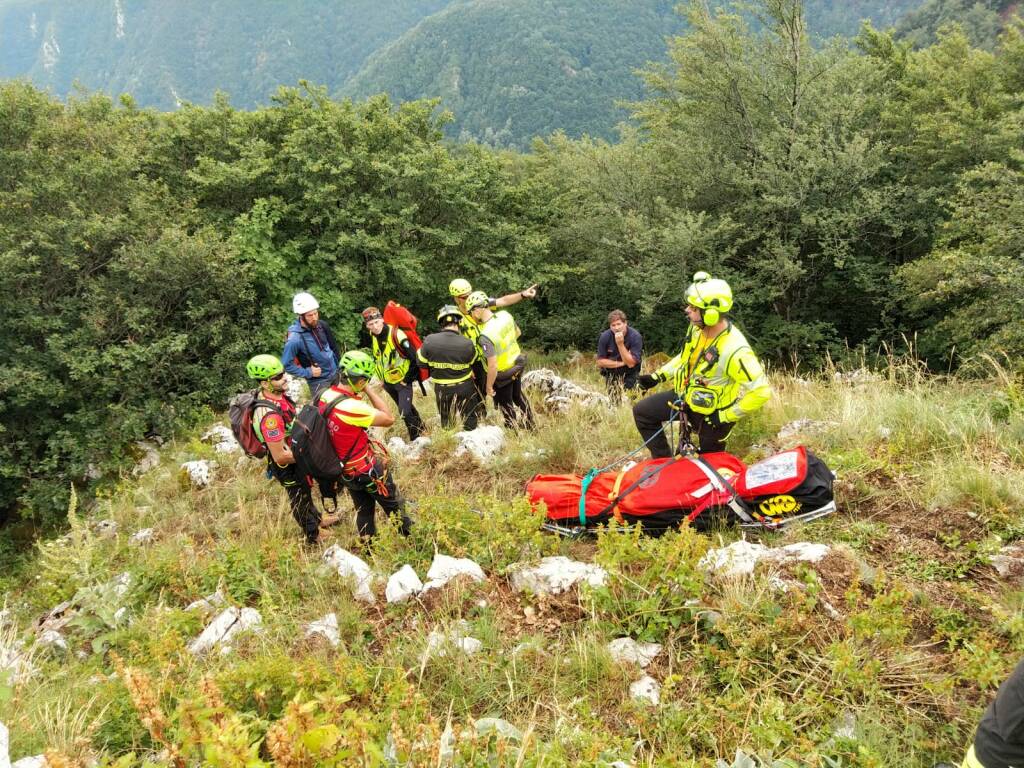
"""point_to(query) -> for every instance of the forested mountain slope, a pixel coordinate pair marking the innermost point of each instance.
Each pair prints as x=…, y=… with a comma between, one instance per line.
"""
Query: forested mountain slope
x=165, y=52
x=982, y=20
x=509, y=69
x=507, y=77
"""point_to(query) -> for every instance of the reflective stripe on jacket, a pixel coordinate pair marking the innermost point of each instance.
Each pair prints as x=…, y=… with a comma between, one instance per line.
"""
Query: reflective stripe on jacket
x=721, y=374
x=503, y=332
x=449, y=355
x=391, y=364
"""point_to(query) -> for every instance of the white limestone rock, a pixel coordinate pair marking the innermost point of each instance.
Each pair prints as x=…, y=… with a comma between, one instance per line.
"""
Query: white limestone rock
x=403, y=584
x=36, y=761
x=556, y=574
x=856, y=377
x=804, y=551
x=105, y=529
x=741, y=557
x=485, y=726
x=52, y=641
x=559, y=394
x=444, y=568
x=200, y=472
x=142, y=537
x=327, y=628
x=222, y=439
x=5, y=746
x=120, y=585
x=481, y=443
x=1009, y=561
x=223, y=629
x=738, y=559
x=209, y=604
x=441, y=642
x=409, y=451
x=150, y=457
x=802, y=427
x=646, y=689
x=626, y=650
x=295, y=387
x=16, y=662
x=353, y=569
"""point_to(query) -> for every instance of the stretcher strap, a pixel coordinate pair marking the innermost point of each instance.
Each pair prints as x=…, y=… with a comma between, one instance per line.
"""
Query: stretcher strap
x=584, y=486
x=612, y=497
x=734, y=502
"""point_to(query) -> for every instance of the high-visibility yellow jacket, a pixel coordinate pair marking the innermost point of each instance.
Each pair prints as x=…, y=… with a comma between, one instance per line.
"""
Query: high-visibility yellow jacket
x=720, y=374
x=503, y=332
x=469, y=328
x=391, y=364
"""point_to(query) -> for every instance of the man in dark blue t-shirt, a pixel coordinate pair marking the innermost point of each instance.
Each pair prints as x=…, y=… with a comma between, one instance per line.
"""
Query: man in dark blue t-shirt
x=619, y=350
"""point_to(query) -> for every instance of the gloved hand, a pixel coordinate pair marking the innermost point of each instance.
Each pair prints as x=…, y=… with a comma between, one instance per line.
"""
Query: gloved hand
x=646, y=380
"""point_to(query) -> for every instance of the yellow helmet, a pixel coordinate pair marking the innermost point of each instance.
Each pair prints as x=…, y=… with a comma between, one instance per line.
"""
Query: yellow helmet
x=459, y=287
x=712, y=297
x=477, y=299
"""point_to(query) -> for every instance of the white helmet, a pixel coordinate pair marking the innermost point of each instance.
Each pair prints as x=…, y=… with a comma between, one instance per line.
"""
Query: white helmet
x=303, y=303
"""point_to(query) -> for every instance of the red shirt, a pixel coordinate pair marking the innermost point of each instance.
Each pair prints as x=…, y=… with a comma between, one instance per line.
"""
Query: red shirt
x=271, y=427
x=347, y=425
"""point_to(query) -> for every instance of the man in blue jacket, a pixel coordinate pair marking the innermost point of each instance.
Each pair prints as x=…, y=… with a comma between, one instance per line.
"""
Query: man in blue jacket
x=310, y=351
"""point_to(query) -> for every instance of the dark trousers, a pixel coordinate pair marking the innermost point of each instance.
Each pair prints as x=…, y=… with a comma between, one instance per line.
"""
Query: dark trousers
x=480, y=382
x=401, y=393
x=462, y=400
x=509, y=397
x=620, y=379
x=654, y=410
x=300, y=499
x=367, y=492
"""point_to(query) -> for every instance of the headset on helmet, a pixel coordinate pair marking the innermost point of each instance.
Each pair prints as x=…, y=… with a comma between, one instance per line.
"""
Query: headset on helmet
x=711, y=296
x=459, y=287
x=449, y=313
x=477, y=299
x=303, y=303
x=263, y=367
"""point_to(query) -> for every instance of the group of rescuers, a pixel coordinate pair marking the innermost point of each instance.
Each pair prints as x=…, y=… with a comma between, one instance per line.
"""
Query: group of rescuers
x=716, y=380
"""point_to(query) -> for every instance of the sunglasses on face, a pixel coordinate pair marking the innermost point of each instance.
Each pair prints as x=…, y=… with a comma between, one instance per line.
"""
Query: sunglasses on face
x=278, y=377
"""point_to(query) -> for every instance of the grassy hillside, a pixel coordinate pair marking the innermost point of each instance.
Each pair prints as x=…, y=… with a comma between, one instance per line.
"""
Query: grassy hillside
x=884, y=654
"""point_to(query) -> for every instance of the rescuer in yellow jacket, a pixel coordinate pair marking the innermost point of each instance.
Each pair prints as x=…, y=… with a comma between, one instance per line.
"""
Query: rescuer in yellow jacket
x=716, y=379
x=498, y=342
x=460, y=289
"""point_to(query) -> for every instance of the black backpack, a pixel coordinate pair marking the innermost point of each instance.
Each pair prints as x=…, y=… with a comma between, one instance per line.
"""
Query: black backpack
x=314, y=452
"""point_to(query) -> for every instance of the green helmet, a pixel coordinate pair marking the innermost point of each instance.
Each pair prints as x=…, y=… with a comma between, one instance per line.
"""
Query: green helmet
x=477, y=299
x=356, y=364
x=459, y=287
x=712, y=297
x=263, y=367
x=449, y=313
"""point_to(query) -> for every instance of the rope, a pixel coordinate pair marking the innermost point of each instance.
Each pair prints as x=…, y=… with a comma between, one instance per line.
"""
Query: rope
x=593, y=473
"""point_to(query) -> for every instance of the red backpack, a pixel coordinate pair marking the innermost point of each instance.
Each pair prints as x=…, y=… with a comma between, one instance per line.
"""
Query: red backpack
x=400, y=318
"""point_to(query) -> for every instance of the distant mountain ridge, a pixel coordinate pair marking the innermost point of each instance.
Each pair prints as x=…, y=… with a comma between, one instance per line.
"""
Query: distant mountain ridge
x=509, y=69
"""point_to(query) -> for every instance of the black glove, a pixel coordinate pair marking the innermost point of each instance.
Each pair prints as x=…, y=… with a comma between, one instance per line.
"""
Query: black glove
x=714, y=419
x=646, y=380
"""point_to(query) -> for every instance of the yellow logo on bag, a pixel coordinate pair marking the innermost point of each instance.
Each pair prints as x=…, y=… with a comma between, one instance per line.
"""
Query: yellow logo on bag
x=777, y=506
